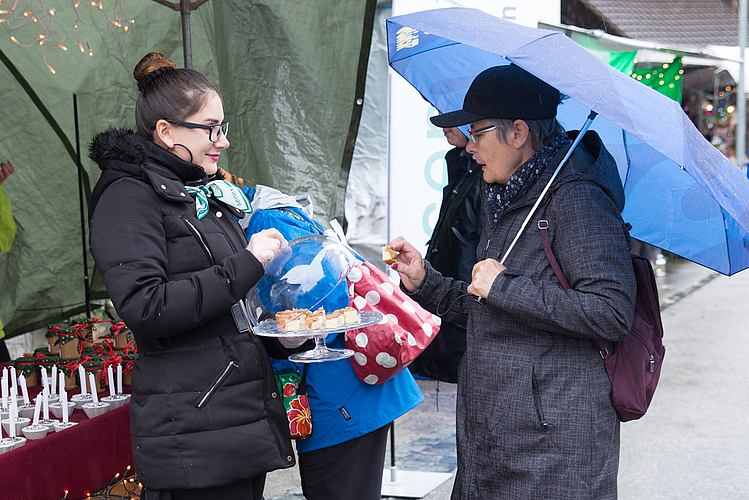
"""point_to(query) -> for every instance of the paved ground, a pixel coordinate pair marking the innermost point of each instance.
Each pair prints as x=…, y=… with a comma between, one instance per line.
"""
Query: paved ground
x=693, y=443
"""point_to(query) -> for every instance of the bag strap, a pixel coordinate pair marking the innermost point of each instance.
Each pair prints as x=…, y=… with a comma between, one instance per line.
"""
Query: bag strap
x=543, y=227
x=302, y=388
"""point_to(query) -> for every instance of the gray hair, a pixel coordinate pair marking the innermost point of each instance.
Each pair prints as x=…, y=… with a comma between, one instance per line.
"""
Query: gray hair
x=543, y=133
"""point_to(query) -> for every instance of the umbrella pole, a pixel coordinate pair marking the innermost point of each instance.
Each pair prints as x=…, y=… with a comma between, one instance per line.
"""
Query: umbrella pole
x=80, y=199
x=577, y=140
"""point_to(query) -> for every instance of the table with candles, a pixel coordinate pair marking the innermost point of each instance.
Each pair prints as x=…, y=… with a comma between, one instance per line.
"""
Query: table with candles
x=87, y=447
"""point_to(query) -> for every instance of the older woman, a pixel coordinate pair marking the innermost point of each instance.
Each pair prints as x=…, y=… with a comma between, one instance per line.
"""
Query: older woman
x=535, y=419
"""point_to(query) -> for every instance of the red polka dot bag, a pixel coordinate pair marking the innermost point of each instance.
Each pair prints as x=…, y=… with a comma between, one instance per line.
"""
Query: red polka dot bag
x=382, y=350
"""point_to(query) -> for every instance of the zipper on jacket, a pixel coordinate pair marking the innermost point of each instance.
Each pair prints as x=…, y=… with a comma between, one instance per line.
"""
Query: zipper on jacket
x=537, y=400
x=219, y=381
x=197, y=234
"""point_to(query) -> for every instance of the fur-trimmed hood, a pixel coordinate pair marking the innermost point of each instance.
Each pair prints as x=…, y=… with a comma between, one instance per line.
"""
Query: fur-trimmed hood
x=121, y=153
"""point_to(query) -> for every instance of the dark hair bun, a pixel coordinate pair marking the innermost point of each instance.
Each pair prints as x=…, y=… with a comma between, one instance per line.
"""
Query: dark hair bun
x=151, y=62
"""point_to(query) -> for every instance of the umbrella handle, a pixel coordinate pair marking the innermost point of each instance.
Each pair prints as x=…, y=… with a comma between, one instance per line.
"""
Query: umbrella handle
x=577, y=140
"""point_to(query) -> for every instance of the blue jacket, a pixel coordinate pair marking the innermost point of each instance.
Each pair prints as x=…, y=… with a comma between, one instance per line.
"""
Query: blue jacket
x=342, y=406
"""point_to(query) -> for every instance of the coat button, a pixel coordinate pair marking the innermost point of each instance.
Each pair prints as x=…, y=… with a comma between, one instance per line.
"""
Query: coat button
x=219, y=214
x=182, y=195
x=273, y=395
x=163, y=186
x=289, y=458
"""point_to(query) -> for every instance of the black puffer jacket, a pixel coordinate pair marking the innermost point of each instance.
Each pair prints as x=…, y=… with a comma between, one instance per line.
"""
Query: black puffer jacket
x=205, y=410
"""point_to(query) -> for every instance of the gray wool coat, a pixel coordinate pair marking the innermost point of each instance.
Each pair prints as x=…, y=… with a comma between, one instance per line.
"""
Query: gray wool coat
x=534, y=415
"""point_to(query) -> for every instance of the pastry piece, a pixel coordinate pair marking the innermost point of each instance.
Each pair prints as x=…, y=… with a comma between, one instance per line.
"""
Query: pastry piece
x=389, y=255
x=315, y=320
x=335, y=319
x=350, y=316
x=291, y=320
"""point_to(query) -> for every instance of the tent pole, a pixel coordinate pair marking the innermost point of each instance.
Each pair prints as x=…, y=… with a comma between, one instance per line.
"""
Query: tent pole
x=80, y=199
x=184, y=8
x=741, y=95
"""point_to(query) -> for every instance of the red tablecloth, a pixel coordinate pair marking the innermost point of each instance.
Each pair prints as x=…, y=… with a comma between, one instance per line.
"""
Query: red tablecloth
x=79, y=459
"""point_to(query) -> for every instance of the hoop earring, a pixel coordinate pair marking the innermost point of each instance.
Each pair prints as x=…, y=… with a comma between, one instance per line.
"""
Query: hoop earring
x=188, y=151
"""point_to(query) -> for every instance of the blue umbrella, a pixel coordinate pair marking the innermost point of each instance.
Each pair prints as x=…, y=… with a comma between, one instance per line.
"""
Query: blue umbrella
x=682, y=194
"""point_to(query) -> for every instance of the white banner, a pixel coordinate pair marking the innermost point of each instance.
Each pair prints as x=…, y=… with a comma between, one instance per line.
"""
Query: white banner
x=416, y=149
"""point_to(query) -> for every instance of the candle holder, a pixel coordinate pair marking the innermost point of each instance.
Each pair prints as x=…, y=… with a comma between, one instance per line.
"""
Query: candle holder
x=95, y=409
x=61, y=426
x=37, y=431
x=21, y=422
x=114, y=401
x=26, y=411
x=49, y=423
x=57, y=409
x=80, y=399
x=7, y=444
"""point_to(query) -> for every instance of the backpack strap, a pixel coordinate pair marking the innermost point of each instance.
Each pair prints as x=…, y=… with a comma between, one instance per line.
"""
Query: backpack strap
x=603, y=347
x=543, y=227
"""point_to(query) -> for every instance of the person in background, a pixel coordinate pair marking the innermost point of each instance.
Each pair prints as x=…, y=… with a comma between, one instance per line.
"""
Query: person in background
x=7, y=233
x=534, y=414
x=207, y=421
x=452, y=251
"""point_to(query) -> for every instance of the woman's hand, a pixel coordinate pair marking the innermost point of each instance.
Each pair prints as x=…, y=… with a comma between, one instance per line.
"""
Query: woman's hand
x=5, y=170
x=266, y=244
x=409, y=264
x=482, y=277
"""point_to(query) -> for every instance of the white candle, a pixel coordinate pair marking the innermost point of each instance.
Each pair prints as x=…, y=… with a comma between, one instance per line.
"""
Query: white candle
x=37, y=408
x=64, y=401
x=45, y=403
x=82, y=377
x=53, y=390
x=45, y=380
x=24, y=390
x=13, y=416
x=110, y=379
x=5, y=388
x=119, y=378
x=13, y=382
x=62, y=385
x=92, y=383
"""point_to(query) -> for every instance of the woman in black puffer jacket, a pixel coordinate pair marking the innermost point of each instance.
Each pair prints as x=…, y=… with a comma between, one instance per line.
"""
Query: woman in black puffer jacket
x=206, y=417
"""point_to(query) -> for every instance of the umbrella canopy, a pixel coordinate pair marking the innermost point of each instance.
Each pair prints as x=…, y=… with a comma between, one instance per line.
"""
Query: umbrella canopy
x=683, y=195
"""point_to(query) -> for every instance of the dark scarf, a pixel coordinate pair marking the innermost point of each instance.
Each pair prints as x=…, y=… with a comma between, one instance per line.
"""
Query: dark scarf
x=499, y=197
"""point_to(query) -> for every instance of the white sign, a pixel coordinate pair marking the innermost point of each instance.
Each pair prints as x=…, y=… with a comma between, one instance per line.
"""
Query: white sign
x=416, y=149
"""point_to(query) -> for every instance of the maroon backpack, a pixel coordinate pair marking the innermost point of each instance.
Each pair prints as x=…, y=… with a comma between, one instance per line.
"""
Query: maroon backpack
x=634, y=364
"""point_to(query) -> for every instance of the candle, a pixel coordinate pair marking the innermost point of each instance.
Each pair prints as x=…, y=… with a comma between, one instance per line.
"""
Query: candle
x=110, y=379
x=64, y=401
x=53, y=390
x=119, y=378
x=92, y=383
x=63, y=392
x=45, y=403
x=24, y=390
x=82, y=377
x=13, y=382
x=45, y=380
x=5, y=388
x=37, y=407
x=13, y=416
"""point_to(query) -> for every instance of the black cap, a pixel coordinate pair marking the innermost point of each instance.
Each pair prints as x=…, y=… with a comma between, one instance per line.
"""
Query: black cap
x=504, y=92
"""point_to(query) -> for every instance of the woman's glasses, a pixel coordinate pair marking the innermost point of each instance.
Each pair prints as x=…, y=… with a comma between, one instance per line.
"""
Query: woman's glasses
x=214, y=131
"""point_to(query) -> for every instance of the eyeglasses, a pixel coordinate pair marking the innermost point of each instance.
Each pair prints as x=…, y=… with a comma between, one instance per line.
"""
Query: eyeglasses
x=214, y=131
x=473, y=133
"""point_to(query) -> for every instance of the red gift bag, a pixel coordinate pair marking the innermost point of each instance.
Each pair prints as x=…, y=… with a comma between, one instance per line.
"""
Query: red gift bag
x=382, y=350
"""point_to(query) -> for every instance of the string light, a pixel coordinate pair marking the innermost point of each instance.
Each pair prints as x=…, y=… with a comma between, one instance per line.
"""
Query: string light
x=51, y=37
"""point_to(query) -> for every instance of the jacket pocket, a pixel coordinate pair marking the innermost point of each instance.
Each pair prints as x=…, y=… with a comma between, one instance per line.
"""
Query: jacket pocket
x=217, y=383
x=200, y=240
x=537, y=400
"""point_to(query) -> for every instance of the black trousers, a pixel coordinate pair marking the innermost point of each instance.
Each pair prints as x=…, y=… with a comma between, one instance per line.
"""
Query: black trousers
x=249, y=489
x=346, y=471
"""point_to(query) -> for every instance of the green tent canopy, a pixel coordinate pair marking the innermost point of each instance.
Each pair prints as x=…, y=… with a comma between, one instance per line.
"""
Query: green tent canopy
x=291, y=73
